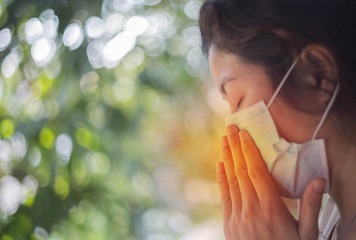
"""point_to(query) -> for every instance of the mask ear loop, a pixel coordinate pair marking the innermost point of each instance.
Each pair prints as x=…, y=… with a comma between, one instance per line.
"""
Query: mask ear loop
x=327, y=110
x=282, y=82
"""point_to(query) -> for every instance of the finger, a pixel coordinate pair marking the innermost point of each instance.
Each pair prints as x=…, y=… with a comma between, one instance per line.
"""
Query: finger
x=248, y=193
x=231, y=177
x=309, y=213
x=224, y=191
x=257, y=169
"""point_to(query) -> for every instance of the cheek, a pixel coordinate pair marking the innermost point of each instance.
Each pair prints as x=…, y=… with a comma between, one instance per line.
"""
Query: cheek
x=291, y=124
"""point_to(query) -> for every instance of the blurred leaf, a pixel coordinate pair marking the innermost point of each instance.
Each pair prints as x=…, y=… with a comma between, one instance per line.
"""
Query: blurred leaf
x=7, y=128
x=106, y=128
x=47, y=138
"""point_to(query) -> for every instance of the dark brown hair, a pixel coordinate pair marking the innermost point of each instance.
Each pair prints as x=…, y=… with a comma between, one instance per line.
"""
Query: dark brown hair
x=251, y=29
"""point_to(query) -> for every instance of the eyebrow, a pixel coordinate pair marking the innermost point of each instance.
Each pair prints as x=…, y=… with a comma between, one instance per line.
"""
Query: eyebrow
x=224, y=81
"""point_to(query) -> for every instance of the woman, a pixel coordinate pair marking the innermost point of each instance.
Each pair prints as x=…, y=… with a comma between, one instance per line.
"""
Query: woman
x=298, y=57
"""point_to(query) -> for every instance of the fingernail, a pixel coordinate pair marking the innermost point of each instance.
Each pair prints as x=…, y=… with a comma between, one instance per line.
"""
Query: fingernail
x=243, y=133
x=231, y=130
x=220, y=166
x=319, y=186
x=224, y=142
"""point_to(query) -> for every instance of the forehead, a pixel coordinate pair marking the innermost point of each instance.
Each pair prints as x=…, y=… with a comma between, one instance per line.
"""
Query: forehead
x=217, y=55
x=227, y=67
x=223, y=64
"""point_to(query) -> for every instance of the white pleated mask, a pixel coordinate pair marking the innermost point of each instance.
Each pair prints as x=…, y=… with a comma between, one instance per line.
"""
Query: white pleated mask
x=292, y=165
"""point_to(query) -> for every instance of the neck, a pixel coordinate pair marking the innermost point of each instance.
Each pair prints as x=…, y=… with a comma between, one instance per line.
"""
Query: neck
x=341, y=152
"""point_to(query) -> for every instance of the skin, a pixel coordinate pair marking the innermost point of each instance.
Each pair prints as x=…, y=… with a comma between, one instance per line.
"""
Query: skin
x=252, y=207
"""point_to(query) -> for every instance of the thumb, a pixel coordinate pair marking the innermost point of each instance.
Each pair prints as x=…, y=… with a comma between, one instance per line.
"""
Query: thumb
x=309, y=212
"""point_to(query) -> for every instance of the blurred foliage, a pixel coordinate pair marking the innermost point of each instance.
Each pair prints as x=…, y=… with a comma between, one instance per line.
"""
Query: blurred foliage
x=109, y=122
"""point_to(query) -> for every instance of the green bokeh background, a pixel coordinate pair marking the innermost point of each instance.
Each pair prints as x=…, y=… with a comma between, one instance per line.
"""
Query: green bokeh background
x=142, y=134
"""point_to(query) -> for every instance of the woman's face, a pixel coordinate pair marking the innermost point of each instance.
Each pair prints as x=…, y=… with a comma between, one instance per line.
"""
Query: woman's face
x=242, y=84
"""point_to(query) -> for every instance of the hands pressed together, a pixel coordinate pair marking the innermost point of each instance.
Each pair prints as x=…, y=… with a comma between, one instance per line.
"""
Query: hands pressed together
x=252, y=206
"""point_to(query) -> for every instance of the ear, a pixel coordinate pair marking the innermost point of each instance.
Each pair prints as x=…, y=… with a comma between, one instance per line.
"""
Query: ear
x=320, y=65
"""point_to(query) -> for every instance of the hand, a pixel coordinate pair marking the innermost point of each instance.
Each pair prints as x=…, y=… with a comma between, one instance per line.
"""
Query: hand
x=252, y=207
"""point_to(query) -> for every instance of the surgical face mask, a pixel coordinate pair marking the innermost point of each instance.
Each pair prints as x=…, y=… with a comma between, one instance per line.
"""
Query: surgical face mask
x=291, y=165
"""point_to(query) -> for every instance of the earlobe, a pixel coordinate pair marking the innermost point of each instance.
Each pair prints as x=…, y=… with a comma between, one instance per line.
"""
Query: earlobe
x=322, y=63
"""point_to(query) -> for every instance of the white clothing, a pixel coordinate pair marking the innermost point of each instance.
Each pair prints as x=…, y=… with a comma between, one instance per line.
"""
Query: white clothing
x=328, y=219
